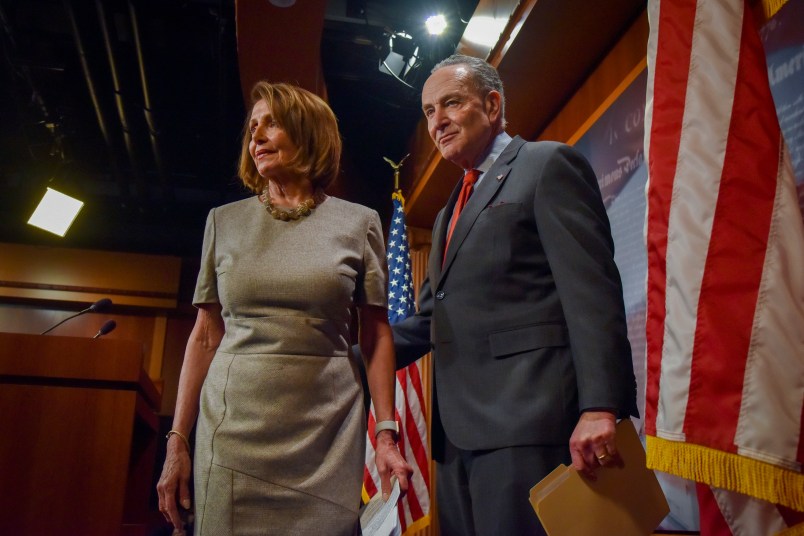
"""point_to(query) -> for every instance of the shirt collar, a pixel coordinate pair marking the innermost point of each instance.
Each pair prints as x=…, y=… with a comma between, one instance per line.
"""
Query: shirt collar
x=501, y=141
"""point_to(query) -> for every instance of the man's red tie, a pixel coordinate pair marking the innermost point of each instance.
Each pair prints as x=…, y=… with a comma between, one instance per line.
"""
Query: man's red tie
x=467, y=188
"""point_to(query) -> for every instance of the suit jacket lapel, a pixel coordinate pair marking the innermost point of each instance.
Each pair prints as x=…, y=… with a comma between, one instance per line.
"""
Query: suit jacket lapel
x=488, y=187
x=440, y=235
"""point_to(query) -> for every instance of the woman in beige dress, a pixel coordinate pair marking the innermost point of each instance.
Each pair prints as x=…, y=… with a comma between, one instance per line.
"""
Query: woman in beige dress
x=267, y=373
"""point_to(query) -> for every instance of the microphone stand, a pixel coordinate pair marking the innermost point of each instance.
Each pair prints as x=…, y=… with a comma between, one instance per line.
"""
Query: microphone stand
x=99, y=306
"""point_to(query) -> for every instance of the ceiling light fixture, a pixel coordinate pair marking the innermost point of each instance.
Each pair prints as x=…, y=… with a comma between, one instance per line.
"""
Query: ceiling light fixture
x=56, y=212
x=403, y=55
x=436, y=24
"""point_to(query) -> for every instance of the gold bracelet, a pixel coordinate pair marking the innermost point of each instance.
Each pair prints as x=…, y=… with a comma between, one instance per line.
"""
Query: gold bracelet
x=182, y=436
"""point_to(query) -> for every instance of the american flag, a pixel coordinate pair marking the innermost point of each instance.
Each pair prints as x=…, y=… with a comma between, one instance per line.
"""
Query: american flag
x=725, y=241
x=414, y=508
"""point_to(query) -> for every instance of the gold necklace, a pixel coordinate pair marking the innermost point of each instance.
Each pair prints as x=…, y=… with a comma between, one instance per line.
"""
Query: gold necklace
x=305, y=208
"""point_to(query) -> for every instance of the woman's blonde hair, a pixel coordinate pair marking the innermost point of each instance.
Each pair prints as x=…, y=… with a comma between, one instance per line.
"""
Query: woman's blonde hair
x=309, y=123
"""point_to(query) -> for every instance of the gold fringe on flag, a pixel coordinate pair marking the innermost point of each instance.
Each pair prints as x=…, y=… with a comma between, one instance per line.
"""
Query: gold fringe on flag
x=727, y=471
x=424, y=522
x=771, y=7
x=765, y=10
x=797, y=530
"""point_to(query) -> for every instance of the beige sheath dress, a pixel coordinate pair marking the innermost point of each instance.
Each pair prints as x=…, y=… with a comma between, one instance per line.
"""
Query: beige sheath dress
x=280, y=439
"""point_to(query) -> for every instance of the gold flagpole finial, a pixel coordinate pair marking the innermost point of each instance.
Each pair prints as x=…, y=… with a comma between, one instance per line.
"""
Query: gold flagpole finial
x=396, y=167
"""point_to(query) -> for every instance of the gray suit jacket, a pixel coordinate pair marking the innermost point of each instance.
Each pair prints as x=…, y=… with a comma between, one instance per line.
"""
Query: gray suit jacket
x=526, y=317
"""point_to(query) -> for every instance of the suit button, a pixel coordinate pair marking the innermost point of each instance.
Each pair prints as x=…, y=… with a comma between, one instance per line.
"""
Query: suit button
x=440, y=295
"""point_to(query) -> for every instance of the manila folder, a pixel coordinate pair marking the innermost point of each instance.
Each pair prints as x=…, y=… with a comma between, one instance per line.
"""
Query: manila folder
x=626, y=500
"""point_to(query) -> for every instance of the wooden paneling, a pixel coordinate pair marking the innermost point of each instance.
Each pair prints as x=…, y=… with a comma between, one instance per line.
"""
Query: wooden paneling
x=40, y=286
x=53, y=468
x=69, y=358
x=79, y=429
x=178, y=331
x=615, y=73
x=76, y=275
x=271, y=55
x=33, y=319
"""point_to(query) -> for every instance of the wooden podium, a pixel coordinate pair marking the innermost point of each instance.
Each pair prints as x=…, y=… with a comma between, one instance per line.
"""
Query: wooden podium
x=78, y=436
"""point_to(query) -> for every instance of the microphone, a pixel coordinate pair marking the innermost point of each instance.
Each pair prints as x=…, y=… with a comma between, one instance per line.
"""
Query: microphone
x=98, y=307
x=108, y=326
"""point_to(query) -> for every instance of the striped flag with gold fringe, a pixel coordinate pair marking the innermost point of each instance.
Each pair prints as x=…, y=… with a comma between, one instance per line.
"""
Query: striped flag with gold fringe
x=725, y=241
x=414, y=508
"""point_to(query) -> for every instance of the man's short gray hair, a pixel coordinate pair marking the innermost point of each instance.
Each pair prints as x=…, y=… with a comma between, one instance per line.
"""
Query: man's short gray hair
x=484, y=77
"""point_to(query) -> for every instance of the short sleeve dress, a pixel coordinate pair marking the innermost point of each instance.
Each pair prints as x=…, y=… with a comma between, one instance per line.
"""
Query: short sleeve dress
x=280, y=439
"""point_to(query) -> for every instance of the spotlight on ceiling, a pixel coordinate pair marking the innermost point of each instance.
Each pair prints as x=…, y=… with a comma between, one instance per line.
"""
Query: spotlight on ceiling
x=56, y=212
x=282, y=3
x=436, y=24
x=404, y=52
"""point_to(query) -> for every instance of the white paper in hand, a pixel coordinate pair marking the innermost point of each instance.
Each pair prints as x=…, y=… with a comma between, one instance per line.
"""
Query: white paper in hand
x=378, y=517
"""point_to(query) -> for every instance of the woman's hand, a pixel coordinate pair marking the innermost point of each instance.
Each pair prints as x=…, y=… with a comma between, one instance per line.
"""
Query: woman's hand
x=377, y=345
x=390, y=463
x=175, y=483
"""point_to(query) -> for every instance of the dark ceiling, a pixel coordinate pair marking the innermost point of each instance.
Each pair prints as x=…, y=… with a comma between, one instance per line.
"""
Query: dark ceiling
x=135, y=106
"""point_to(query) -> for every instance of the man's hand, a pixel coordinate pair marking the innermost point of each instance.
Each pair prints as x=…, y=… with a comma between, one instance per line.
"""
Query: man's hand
x=592, y=443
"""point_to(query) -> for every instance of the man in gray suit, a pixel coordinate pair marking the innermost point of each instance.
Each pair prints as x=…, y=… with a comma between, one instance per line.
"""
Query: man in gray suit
x=523, y=310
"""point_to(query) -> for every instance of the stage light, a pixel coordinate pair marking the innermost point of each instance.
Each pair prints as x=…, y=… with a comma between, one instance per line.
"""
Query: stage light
x=402, y=56
x=436, y=24
x=56, y=212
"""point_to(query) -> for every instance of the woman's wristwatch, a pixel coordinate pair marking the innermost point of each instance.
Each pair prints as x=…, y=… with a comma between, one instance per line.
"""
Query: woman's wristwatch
x=387, y=425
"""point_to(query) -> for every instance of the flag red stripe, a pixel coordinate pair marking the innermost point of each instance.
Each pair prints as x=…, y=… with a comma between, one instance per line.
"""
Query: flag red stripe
x=736, y=254
x=417, y=445
x=406, y=437
x=368, y=481
x=710, y=518
x=675, y=27
x=401, y=445
x=400, y=512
